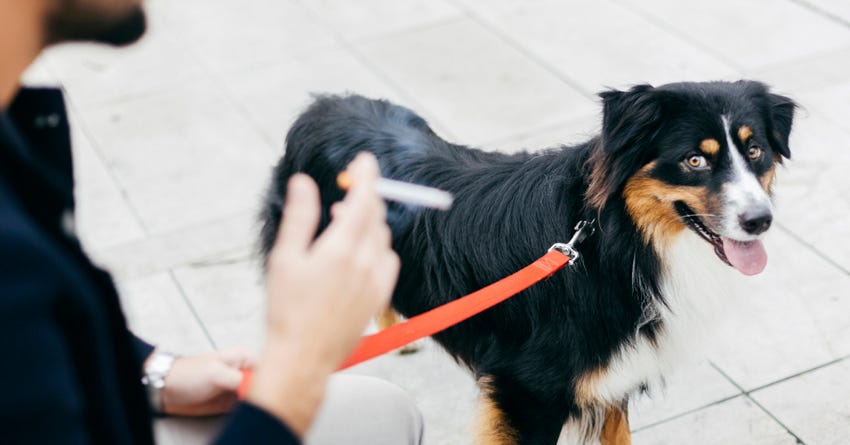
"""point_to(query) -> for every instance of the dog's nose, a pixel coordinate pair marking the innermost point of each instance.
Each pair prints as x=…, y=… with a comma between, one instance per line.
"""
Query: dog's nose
x=755, y=221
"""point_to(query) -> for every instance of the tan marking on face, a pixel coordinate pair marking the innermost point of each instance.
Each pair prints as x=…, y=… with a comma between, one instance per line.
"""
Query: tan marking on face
x=709, y=146
x=492, y=426
x=767, y=178
x=744, y=134
x=649, y=202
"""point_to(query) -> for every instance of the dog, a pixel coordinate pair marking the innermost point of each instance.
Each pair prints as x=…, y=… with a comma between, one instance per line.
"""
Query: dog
x=679, y=182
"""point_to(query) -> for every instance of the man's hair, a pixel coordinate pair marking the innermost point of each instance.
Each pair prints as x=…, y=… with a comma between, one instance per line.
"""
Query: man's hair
x=74, y=20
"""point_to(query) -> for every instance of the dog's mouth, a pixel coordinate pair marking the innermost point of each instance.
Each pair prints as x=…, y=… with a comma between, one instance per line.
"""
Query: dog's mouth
x=748, y=257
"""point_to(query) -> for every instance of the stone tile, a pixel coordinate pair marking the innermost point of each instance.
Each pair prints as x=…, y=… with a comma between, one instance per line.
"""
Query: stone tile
x=815, y=406
x=751, y=34
x=274, y=95
x=832, y=103
x=478, y=87
x=621, y=50
x=735, y=422
x=232, y=36
x=104, y=218
x=837, y=8
x=229, y=298
x=681, y=395
x=810, y=73
x=158, y=313
x=571, y=132
x=230, y=239
x=370, y=18
x=444, y=392
x=94, y=74
x=790, y=318
x=184, y=156
x=812, y=193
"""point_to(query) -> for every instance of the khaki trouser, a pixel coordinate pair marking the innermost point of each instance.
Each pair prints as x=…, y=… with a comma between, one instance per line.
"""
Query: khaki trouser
x=365, y=410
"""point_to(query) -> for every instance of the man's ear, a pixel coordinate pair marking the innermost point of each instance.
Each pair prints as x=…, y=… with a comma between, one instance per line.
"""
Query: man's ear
x=781, y=115
x=630, y=122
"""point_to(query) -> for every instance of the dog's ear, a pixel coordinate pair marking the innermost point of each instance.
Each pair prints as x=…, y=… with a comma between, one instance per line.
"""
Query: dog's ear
x=630, y=121
x=781, y=115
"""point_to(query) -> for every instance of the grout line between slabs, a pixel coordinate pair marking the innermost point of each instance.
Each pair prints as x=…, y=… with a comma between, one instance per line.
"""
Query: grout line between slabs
x=813, y=249
x=795, y=375
x=756, y=402
x=690, y=411
x=823, y=13
x=191, y=308
x=352, y=49
x=663, y=26
x=587, y=134
x=95, y=145
x=526, y=52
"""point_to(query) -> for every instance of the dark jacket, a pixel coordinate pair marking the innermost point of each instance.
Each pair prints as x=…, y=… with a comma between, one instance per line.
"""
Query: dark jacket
x=70, y=369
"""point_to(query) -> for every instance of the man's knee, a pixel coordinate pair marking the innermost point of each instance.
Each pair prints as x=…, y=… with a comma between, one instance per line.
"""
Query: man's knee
x=361, y=409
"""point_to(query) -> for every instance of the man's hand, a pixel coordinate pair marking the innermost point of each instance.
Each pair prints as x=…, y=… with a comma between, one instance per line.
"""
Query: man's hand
x=204, y=385
x=321, y=293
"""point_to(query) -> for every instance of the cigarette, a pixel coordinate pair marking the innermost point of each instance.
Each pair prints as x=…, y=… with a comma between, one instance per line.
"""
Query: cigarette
x=404, y=192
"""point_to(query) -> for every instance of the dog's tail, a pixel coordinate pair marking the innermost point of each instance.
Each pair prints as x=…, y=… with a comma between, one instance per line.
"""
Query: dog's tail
x=327, y=136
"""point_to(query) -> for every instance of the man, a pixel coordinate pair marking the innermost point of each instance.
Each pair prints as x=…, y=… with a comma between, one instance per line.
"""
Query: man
x=71, y=369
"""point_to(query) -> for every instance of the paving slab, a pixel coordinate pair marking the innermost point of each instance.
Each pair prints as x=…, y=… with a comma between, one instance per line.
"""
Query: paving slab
x=384, y=17
x=789, y=319
x=435, y=65
x=273, y=96
x=750, y=34
x=735, y=422
x=625, y=50
x=157, y=312
x=815, y=405
x=176, y=170
x=228, y=36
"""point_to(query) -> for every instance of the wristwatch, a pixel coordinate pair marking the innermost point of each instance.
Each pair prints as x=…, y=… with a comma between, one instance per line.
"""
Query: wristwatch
x=157, y=367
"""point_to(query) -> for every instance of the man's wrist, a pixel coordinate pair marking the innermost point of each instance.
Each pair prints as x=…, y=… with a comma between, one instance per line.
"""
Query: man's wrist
x=156, y=369
x=290, y=386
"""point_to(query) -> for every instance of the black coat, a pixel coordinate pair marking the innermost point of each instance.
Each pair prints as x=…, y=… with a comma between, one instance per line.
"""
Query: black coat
x=70, y=370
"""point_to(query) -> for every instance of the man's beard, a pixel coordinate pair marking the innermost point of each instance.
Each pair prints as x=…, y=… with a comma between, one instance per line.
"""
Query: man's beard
x=71, y=22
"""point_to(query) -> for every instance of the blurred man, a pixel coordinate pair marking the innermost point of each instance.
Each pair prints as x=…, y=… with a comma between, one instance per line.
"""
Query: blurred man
x=72, y=370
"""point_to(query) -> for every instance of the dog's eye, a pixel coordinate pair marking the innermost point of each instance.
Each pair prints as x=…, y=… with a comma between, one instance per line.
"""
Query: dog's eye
x=754, y=153
x=697, y=162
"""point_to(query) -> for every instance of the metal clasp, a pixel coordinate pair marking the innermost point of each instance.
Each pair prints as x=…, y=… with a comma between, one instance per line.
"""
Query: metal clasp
x=583, y=230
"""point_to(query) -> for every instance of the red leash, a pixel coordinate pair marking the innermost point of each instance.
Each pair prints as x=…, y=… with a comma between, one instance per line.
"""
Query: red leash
x=442, y=317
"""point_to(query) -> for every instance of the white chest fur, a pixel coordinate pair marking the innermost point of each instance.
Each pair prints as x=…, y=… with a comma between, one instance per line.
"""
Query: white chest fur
x=693, y=287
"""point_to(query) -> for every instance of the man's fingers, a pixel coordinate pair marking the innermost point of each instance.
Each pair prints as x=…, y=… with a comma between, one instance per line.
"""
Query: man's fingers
x=362, y=206
x=238, y=357
x=227, y=378
x=300, y=215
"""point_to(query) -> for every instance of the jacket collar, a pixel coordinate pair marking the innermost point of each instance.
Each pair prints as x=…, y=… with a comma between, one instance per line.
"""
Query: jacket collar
x=35, y=152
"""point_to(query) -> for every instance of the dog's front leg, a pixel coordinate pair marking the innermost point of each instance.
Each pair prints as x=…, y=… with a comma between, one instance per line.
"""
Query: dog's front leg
x=616, y=431
x=511, y=415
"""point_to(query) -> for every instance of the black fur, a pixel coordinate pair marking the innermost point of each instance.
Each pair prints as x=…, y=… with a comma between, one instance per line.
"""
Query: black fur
x=508, y=210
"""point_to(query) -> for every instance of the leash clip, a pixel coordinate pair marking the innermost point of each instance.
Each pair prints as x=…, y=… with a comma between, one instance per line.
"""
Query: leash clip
x=583, y=229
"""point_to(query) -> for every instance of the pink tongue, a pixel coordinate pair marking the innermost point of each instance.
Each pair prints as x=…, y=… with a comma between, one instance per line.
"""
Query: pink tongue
x=748, y=257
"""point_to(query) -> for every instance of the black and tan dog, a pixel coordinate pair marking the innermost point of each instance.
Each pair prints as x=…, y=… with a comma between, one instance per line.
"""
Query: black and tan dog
x=679, y=182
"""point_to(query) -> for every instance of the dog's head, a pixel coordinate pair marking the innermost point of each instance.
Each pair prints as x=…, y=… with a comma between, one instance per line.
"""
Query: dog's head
x=697, y=156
